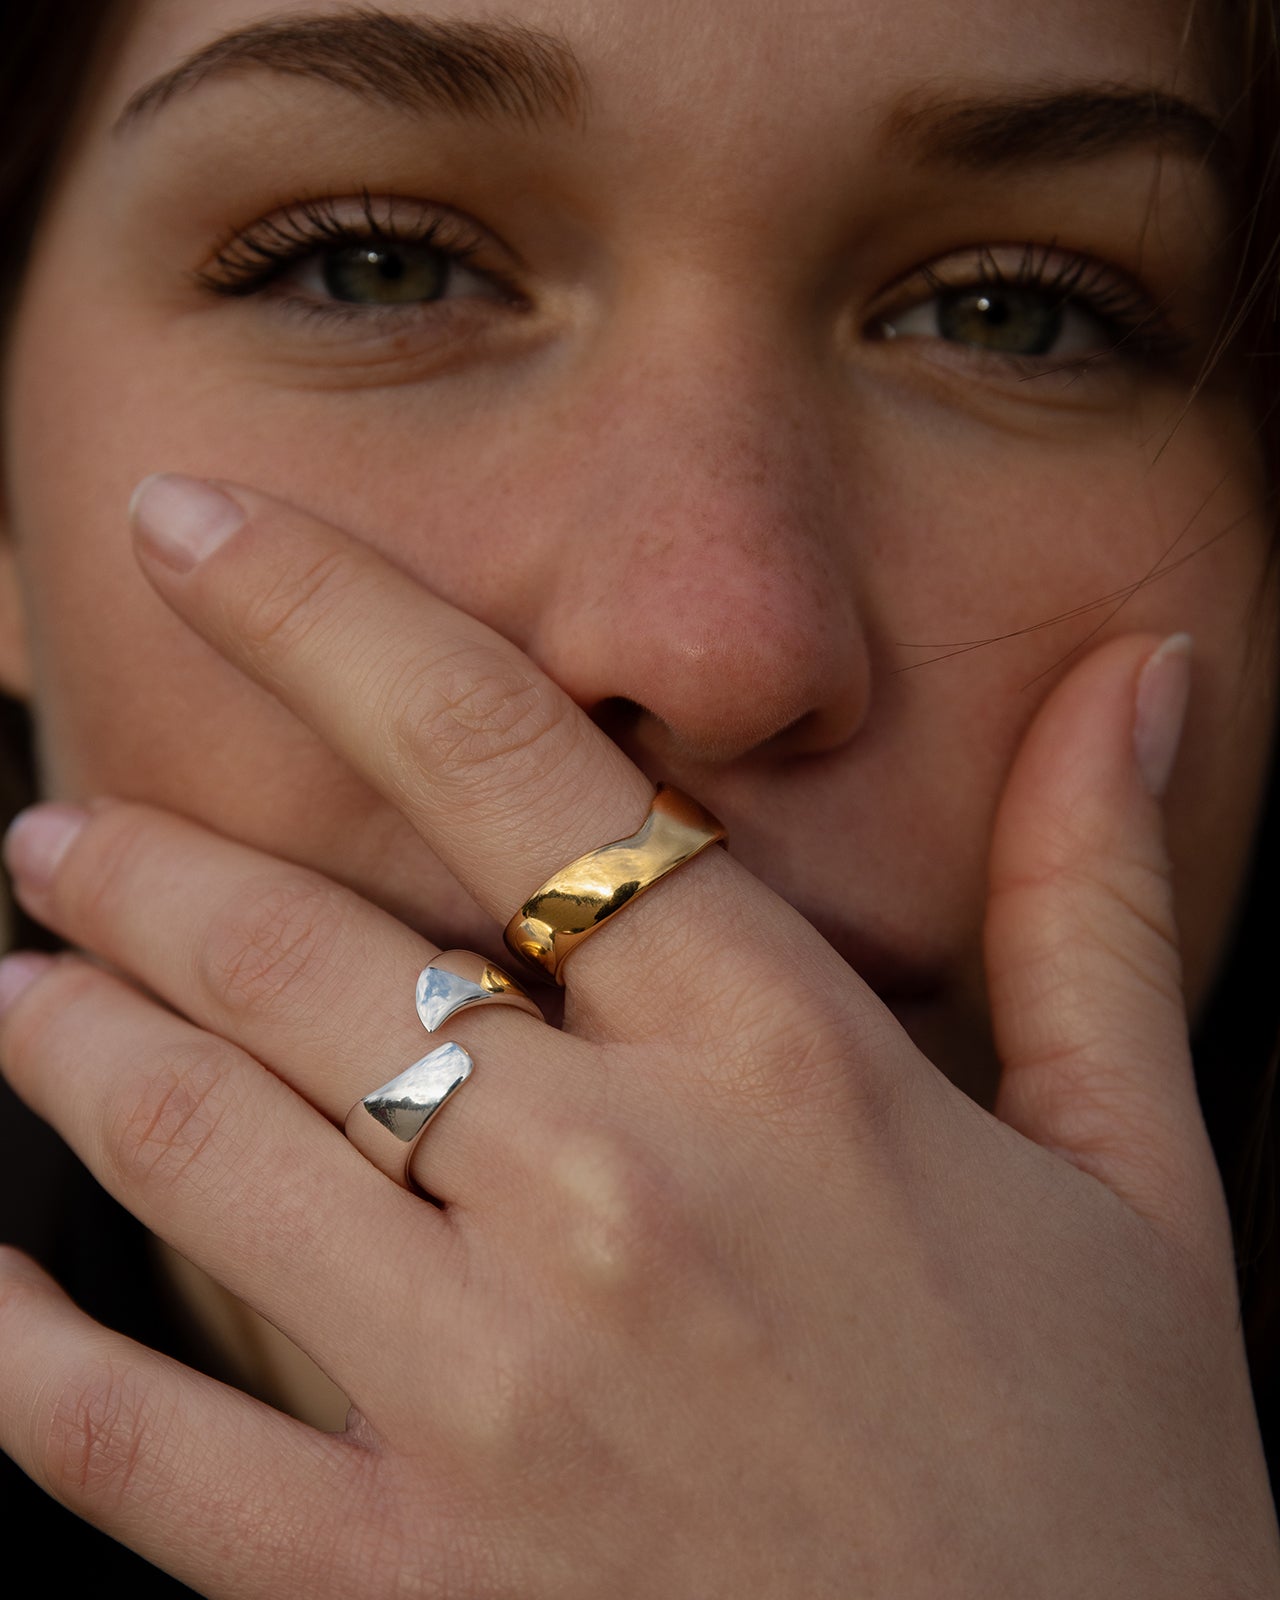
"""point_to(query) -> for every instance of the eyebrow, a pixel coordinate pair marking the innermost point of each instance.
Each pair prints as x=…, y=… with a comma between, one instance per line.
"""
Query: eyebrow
x=1056, y=127
x=503, y=69
x=489, y=69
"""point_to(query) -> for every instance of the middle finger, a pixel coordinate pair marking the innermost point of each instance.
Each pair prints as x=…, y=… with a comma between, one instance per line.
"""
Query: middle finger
x=500, y=772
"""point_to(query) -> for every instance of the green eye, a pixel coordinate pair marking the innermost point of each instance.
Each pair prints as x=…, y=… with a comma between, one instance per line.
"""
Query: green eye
x=1031, y=309
x=1006, y=319
x=384, y=274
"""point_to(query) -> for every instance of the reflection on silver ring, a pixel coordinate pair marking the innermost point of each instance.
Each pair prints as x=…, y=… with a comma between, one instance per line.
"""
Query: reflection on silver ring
x=385, y=1126
x=456, y=979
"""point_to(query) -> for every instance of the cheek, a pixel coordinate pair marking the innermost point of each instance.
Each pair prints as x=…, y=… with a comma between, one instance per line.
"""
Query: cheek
x=994, y=563
x=982, y=559
x=130, y=702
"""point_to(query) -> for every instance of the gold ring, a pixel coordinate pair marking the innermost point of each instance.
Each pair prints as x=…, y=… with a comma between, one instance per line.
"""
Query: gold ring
x=586, y=893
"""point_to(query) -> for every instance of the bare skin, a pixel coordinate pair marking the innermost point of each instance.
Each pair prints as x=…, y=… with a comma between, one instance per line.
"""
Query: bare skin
x=684, y=513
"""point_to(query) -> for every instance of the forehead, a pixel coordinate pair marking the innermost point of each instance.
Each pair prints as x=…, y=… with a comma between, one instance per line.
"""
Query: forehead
x=720, y=64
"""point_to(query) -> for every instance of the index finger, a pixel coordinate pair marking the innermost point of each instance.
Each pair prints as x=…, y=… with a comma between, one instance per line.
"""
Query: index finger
x=500, y=772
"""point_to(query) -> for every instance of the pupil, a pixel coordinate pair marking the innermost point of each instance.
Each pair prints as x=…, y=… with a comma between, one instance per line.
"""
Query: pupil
x=1019, y=321
x=381, y=275
x=389, y=267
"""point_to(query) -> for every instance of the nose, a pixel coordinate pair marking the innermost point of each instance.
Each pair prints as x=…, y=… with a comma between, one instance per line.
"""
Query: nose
x=704, y=602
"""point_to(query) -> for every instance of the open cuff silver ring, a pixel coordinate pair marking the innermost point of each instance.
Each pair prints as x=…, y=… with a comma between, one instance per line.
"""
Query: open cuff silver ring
x=387, y=1123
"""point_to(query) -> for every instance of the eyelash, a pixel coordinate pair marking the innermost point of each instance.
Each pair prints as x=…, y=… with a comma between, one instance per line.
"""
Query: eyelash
x=1137, y=328
x=251, y=261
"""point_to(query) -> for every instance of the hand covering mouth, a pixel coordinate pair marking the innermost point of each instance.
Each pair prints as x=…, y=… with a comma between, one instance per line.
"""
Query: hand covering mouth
x=894, y=976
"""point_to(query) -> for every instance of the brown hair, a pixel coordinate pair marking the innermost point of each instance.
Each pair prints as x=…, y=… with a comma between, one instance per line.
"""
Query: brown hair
x=46, y=56
x=1244, y=37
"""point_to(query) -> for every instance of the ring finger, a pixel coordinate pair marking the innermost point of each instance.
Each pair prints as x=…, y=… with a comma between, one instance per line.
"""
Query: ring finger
x=307, y=977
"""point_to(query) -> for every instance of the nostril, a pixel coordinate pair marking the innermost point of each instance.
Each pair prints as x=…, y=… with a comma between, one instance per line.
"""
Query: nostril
x=617, y=717
x=639, y=734
x=709, y=655
x=664, y=750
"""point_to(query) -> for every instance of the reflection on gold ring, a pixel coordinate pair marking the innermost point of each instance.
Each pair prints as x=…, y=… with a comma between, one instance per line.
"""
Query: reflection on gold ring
x=580, y=897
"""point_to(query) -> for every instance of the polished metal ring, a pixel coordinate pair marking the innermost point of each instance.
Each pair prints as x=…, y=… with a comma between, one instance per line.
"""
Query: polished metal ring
x=581, y=897
x=386, y=1125
x=456, y=979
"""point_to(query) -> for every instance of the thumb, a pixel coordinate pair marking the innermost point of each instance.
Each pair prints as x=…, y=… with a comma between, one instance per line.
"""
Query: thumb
x=1081, y=947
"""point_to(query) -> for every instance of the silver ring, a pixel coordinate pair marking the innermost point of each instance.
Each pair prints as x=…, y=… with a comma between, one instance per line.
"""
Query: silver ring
x=456, y=979
x=386, y=1124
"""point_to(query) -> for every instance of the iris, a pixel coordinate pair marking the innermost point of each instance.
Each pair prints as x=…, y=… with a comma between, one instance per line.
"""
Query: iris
x=1020, y=321
x=367, y=274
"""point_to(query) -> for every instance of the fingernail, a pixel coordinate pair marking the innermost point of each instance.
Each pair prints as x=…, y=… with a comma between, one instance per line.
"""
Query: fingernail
x=183, y=520
x=19, y=972
x=37, y=840
x=1160, y=706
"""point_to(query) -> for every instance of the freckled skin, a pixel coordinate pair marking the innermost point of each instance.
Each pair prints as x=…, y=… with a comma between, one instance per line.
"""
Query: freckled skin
x=749, y=539
x=733, y=1293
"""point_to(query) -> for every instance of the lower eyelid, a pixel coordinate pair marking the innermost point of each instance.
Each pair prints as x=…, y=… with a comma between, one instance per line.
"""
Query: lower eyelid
x=1091, y=382
x=372, y=322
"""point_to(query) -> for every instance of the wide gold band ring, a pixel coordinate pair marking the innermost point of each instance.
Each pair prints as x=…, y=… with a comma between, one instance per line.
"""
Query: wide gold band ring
x=556, y=918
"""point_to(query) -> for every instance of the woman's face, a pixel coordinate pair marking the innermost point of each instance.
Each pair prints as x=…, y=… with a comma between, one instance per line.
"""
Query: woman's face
x=717, y=354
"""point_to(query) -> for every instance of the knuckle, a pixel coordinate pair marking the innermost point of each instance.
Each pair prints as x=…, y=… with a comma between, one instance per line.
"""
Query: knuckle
x=516, y=1407
x=282, y=613
x=480, y=710
x=102, y=1425
x=782, y=1082
x=382, y=1545
x=835, y=1076
x=262, y=950
x=1115, y=920
x=622, y=1227
x=157, y=1135
x=818, y=1098
x=1094, y=895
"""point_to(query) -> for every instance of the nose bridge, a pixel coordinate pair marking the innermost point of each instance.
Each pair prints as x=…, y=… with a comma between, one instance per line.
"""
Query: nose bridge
x=711, y=577
x=708, y=427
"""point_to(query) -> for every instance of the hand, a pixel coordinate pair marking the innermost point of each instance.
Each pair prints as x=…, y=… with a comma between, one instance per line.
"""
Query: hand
x=732, y=1294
